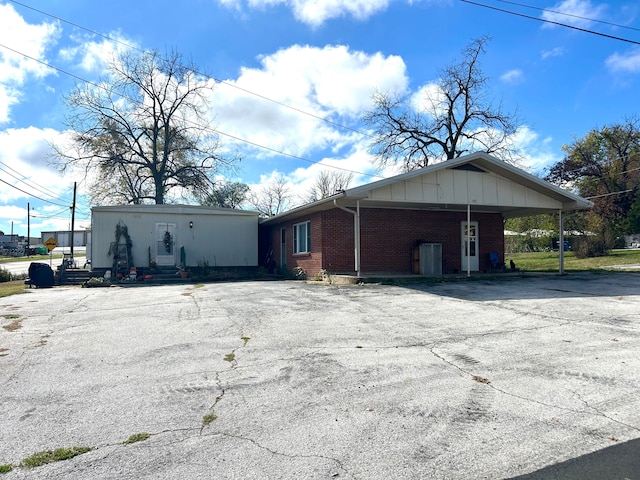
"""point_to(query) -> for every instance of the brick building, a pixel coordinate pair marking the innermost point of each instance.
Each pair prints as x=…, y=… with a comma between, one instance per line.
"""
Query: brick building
x=445, y=218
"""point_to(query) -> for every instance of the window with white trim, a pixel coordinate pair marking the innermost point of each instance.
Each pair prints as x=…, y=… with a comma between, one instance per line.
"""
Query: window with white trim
x=302, y=237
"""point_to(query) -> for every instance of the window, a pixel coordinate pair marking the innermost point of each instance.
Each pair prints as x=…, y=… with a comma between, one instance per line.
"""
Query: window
x=302, y=237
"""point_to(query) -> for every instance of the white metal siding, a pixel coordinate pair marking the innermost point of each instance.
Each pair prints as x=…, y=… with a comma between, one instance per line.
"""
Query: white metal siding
x=220, y=239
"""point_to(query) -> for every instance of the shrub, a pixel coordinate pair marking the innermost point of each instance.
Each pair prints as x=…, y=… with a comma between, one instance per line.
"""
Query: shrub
x=587, y=247
x=5, y=275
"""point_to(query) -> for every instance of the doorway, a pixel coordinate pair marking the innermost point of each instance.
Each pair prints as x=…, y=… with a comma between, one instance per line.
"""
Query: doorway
x=470, y=246
x=165, y=244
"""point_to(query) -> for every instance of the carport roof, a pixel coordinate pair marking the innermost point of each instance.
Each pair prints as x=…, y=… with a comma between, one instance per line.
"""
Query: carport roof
x=480, y=181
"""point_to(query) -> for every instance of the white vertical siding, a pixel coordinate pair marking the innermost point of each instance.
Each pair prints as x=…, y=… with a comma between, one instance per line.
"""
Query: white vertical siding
x=220, y=239
x=462, y=187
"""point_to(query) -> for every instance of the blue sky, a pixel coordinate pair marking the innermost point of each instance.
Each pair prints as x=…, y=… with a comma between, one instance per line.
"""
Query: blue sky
x=325, y=57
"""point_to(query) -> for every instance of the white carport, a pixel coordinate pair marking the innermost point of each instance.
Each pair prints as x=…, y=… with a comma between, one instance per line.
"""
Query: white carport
x=477, y=182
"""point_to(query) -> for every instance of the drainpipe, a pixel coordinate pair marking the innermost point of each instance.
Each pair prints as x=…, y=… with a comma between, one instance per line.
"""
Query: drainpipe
x=356, y=232
x=561, y=241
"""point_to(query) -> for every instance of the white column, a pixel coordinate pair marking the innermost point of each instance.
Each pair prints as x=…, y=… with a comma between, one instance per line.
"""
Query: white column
x=356, y=223
x=561, y=241
x=468, y=246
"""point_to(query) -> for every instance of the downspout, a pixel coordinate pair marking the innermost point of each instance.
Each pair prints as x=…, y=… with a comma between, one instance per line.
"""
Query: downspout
x=561, y=242
x=468, y=243
x=356, y=232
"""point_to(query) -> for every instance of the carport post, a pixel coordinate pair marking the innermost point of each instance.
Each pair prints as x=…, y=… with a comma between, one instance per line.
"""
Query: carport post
x=357, y=239
x=561, y=241
x=466, y=233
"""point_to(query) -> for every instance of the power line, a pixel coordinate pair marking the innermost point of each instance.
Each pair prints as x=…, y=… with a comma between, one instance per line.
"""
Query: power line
x=34, y=185
x=212, y=130
x=586, y=30
x=31, y=195
x=222, y=82
x=570, y=15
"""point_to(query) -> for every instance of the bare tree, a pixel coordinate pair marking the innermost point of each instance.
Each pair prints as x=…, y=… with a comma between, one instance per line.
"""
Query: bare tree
x=454, y=117
x=226, y=195
x=328, y=183
x=273, y=198
x=143, y=131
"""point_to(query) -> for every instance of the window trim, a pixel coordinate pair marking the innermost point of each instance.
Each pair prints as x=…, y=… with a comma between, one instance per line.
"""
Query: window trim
x=296, y=238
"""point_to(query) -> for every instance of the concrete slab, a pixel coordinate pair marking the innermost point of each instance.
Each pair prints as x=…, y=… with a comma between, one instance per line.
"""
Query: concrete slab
x=476, y=379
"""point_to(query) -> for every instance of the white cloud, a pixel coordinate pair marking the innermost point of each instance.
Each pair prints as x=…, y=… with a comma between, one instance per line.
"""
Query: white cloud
x=538, y=153
x=316, y=12
x=555, y=52
x=429, y=99
x=26, y=154
x=28, y=43
x=331, y=82
x=93, y=56
x=578, y=13
x=25, y=160
x=626, y=62
x=512, y=76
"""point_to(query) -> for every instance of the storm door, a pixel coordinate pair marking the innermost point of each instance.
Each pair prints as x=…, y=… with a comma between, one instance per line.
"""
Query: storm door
x=165, y=244
x=470, y=246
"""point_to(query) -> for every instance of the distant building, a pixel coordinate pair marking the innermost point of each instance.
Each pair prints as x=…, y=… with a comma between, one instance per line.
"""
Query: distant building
x=81, y=238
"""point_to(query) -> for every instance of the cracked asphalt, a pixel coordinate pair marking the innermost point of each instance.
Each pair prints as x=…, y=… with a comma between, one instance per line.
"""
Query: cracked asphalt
x=527, y=378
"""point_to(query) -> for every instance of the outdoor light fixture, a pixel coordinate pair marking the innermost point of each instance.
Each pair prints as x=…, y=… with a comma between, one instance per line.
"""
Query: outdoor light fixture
x=190, y=224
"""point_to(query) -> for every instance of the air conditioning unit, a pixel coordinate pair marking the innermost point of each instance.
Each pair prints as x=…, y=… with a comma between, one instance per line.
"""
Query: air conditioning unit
x=431, y=259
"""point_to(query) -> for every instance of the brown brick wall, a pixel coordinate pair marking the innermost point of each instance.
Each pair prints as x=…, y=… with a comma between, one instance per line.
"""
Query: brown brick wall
x=387, y=238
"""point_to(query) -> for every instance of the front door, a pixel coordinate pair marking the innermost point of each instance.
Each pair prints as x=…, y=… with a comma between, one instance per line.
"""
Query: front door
x=470, y=246
x=165, y=244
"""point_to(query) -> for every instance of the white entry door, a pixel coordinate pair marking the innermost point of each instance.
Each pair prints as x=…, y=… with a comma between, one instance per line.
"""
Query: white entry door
x=165, y=244
x=470, y=246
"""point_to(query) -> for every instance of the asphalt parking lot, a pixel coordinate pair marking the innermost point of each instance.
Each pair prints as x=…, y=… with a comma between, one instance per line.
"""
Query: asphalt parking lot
x=525, y=378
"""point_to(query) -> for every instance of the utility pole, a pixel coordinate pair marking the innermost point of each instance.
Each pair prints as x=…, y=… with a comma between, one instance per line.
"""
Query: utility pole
x=73, y=218
x=28, y=226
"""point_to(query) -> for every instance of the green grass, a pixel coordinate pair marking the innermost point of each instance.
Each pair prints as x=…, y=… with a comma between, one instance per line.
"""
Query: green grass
x=207, y=419
x=549, y=261
x=137, y=437
x=230, y=357
x=49, y=456
x=6, y=468
x=11, y=288
x=34, y=258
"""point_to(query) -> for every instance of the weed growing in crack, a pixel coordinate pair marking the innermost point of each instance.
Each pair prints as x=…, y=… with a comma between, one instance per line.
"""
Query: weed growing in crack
x=245, y=340
x=208, y=418
x=137, y=437
x=11, y=316
x=230, y=357
x=480, y=379
x=6, y=468
x=49, y=456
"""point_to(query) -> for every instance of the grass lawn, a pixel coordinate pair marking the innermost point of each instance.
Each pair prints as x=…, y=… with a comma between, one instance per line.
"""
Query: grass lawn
x=549, y=261
x=11, y=288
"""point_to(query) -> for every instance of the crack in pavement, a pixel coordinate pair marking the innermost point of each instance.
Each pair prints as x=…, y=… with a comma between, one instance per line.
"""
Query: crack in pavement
x=287, y=455
x=602, y=414
x=531, y=400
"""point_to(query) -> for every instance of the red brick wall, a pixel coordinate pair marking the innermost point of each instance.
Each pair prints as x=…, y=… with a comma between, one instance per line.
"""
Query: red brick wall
x=387, y=237
x=309, y=262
